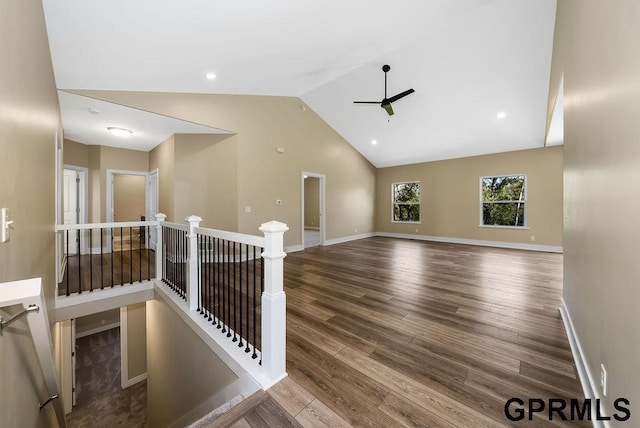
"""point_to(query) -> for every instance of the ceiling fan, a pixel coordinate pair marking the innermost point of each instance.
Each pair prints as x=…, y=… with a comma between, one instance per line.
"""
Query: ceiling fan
x=386, y=102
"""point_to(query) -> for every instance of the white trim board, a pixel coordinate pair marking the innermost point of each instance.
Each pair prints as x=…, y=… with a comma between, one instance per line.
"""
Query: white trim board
x=498, y=244
x=96, y=330
x=589, y=387
x=322, y=227
x=133, y=381
x=293, y=249
x=344, y=239
x=341, y=240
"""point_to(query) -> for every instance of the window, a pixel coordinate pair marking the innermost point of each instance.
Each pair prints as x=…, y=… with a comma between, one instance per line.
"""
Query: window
x=406, y=202
x=503, y=200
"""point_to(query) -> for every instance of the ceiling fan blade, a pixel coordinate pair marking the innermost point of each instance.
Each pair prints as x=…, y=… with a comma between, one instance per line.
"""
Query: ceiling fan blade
x=388, y=108
x=401, y=95
x=366, y=102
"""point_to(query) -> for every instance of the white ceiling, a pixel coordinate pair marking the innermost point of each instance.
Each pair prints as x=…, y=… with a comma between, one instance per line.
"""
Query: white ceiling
x=86, y=121
x=466, y=59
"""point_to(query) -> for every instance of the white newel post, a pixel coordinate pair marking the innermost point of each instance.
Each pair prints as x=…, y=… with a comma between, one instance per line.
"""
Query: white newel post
x=192, y=262
x=274, y=304
x=159, y=217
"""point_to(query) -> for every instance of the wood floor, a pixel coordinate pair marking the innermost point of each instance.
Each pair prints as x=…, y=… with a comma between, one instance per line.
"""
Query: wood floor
x=92, y=272
x=384, y=332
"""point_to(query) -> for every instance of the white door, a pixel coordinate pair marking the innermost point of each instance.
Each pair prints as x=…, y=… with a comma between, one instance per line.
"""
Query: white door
x=70, y=197
x=152, y=206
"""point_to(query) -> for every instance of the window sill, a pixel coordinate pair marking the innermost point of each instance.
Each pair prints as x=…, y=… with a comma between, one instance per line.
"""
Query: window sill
x=491, y=226
x=406, y=222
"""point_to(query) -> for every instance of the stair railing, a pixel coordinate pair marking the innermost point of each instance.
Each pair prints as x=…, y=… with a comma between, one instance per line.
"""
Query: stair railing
x=28, y=294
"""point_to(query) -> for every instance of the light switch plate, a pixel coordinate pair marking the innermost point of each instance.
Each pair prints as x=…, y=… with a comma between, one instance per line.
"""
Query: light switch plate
x=4, y=225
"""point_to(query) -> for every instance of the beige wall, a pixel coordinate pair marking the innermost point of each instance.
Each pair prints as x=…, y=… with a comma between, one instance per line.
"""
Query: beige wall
x=162, y=159
x=96, y=202
x=182, y=371
x=76, y=154
x=311, y=203
x=206, y=179
x=450, y=196
x=92, y=322
x=601, y=177
x=136, y=339
x=123, y=159
x=29, y=120
x=262, y=124
x=128, y=197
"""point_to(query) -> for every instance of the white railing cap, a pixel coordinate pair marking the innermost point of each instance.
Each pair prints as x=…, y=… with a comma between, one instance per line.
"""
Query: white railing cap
x=273, y=226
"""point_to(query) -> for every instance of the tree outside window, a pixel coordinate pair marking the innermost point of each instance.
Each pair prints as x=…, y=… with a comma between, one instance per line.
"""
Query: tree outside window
x=406, y=202
x=503, y=200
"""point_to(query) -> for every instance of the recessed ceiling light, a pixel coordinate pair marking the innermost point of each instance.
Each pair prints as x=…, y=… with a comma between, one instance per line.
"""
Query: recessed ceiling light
x=211, y=76
x=119, y=132
x=501, y=115
x=94, y=110
x=374, y=142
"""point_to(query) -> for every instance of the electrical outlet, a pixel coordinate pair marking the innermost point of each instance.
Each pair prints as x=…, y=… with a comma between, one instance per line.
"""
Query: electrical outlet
x=533, y=238
x=417, y=230
x=603, y=380
x=355, y=230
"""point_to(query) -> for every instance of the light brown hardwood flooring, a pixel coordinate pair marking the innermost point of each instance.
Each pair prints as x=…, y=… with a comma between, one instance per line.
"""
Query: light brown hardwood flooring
x=386, y=332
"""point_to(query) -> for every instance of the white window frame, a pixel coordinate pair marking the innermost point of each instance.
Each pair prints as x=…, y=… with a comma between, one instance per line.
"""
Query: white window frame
x=393, y=202
x=525, y=224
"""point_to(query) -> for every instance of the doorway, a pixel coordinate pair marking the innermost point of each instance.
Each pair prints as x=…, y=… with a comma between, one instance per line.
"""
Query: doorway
x=128, y=200
x=74, y=205
x=313, y=208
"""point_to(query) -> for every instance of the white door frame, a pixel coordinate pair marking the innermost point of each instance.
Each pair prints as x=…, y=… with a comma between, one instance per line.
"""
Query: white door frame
x=323, y=225
x=83, y=175
x=83, y=198
x=67, y=367
x=109, y=207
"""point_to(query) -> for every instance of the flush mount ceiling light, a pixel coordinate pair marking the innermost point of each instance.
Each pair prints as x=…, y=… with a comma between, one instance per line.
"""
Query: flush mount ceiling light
x=501, y=115
x=374, y=142
x=119, y=132
x=211, y=76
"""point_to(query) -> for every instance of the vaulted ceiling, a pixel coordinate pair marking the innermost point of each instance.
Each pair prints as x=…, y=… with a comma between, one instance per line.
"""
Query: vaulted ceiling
x=468, y=61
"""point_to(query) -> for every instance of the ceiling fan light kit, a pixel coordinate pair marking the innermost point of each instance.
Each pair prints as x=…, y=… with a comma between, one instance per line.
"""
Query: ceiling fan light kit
x=386, y=101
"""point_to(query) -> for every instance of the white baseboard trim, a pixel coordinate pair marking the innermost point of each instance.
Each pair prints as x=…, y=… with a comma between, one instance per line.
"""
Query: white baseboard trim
x=344, y=239
x=482, y=243
x=589, y=387
x=126, y=383
x=97, y=330
x=293, y=248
